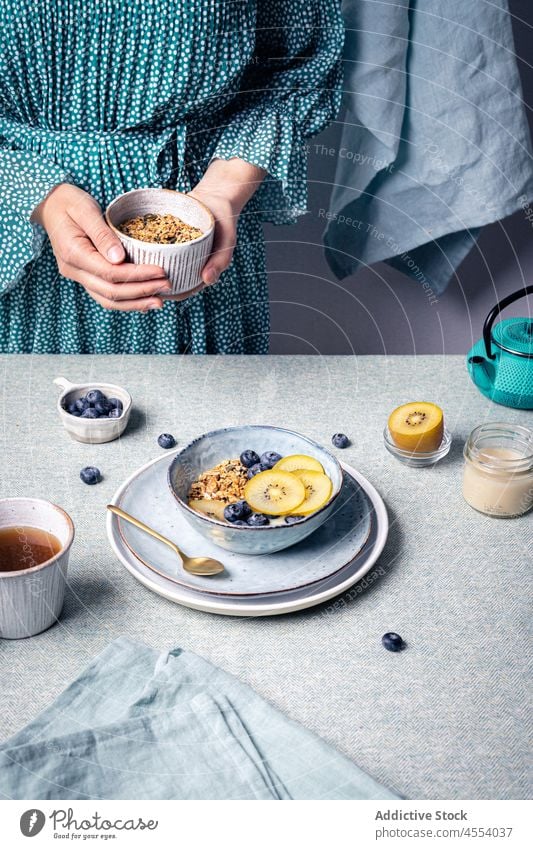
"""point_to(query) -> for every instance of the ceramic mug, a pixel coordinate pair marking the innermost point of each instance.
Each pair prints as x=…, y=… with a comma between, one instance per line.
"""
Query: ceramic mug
x=31, y=599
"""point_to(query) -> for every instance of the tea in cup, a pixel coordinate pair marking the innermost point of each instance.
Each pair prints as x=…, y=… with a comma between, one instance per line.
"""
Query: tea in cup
x=35, y=541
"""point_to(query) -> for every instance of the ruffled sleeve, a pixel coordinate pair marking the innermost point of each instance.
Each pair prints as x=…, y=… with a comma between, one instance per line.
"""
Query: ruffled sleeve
x=290, y=91
x=25, y=180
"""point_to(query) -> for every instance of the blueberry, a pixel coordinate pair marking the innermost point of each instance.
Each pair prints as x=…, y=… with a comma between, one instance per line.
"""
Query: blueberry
x=90, y=413
x=241, y=522
x=290, y=520
x=115, y=403
x=81, y=404
x=238, y=510
x=115, y=413
x=249, y=458
x=269, y=459
x=392, y=641
x=94, y=395
x=102, y=407
x=340, y=440
x=258, y=520
x=90, y=475
x=254, y=470
x=166, y=440
x=73, y=410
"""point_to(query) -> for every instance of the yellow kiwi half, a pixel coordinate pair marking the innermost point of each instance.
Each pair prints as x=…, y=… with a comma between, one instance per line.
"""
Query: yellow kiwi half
x=292, y=462
x=209, y=507
x=274, y=493
x=417, y=427
x=317, y=491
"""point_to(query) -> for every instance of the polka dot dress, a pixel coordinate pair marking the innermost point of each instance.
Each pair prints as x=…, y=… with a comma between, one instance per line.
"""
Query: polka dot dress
x=112, y=95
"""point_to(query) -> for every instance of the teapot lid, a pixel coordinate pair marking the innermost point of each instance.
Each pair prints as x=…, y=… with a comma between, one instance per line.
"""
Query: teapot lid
x=515, y=335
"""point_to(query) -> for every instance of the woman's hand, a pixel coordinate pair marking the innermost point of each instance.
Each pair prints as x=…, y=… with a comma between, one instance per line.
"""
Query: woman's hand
x=88, y=251
x=225, y=188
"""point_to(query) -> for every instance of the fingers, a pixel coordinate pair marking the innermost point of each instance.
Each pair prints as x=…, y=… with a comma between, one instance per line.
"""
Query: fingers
x=187, y=294
x=88, y=252
x=80, y=253
x=89, y=217
x=128, y=306
x=121, y=296
x=223, y=246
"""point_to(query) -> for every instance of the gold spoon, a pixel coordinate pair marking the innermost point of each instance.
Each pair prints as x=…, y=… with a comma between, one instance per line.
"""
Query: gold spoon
x=194, y=565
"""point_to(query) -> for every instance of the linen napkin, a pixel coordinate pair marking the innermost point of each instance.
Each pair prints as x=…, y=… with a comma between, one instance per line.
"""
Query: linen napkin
x=143, y=724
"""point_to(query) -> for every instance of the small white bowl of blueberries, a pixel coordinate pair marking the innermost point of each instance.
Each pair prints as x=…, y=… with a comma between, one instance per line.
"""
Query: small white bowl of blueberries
x=93, y=412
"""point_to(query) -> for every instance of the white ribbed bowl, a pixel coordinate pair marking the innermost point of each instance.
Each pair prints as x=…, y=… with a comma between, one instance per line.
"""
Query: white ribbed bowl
x=182, y=263
x=31, y=599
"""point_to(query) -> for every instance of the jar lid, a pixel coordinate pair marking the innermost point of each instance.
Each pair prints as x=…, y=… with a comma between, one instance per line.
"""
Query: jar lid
x=515, y=335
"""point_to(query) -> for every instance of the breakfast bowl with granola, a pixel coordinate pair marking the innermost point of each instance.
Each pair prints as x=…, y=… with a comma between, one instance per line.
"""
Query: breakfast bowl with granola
x=255, y=489
x=166, y=228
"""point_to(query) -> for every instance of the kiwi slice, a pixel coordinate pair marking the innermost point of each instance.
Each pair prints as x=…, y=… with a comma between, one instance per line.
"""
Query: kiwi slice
x=209, y=507
x=417, y=427
x=298, y=461
x=274, y=493
x=317, y=491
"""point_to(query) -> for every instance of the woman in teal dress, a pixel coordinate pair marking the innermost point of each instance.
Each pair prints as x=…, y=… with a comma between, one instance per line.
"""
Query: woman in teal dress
x=97, y=97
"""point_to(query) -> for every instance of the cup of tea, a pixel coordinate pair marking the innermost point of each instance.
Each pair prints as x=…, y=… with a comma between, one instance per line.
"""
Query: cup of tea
x=35, y=541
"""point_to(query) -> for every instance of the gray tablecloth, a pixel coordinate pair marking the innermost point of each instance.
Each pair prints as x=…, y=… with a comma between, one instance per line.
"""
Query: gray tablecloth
x=448, y=717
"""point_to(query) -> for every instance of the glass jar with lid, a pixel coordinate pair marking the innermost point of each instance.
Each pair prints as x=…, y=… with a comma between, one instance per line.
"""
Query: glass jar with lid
x=498, y=473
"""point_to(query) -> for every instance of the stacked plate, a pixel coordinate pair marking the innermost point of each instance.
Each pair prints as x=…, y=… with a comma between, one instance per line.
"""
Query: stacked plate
x=322, y=566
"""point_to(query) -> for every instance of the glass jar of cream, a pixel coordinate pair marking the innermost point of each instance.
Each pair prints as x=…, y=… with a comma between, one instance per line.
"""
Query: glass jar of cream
x=498, y=473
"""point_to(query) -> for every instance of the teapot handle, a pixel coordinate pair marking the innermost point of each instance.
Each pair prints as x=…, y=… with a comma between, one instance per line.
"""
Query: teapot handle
x=494, y=313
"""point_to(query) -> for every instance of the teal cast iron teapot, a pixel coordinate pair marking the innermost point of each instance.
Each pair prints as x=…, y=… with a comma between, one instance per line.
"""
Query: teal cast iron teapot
x=501, y=364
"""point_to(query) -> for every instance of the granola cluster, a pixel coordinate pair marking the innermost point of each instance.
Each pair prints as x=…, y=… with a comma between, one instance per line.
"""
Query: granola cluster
x=160, y=229
x=224, y=482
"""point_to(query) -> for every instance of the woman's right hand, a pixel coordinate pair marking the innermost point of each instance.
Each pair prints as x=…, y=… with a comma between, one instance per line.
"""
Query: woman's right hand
x=88, y=251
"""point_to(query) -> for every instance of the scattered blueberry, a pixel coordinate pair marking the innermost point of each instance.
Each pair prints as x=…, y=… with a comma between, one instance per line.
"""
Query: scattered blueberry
x=102, y=407
x=392, y=641
x=73, y=410
x=94, y=395
x=166, y=440
x=249, y=458
x=238, y=510
x=90, y=475
x=241, y=522
x=269, y=459
x=340, y=440
x=115, y=413
x=254, y=470
x=81, y=404
x=90, y=413
x=115, y=404
x=290, y=520
x=257, y=520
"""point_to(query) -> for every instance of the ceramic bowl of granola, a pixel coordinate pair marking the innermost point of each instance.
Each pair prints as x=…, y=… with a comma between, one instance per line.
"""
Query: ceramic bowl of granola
x=166, y=228
x=245, y=488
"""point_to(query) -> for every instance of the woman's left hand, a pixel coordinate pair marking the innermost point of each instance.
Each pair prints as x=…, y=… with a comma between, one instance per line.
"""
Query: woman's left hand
x=225, y=188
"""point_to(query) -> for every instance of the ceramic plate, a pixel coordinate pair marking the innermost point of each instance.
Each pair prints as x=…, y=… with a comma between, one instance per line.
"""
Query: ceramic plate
x=317, y=557
x=349, y=555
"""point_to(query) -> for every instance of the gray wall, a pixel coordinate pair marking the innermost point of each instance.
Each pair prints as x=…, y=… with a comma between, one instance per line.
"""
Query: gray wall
x=373, y=313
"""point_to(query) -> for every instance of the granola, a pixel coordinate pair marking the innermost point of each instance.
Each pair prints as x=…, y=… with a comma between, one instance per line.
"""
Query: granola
x=224, y=482
x=160, y=229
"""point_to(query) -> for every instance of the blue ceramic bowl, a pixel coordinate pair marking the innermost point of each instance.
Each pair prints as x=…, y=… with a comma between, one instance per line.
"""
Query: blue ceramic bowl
x=211, y=448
